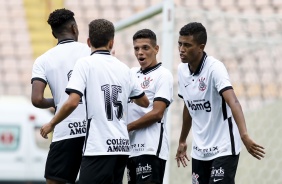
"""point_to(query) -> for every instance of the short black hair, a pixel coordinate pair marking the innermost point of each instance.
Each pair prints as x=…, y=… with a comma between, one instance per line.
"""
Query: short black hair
x=101, y=31
x=59, y=18
x=146, y=33
x=195, y=29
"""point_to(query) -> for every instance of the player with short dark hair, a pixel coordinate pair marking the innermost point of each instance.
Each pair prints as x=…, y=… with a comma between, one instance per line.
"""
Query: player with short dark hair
x=147, y=126
x=54, y=67
x=213, y=111
x=108, y=84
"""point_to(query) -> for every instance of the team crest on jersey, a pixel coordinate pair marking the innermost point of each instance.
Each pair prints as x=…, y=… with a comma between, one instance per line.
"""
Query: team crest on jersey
x=146, y=83
x=202, y=84
x=195, y=178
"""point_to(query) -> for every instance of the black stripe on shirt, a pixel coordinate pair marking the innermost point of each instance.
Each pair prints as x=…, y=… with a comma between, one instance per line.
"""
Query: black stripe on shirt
x=87, y=134
x=231, y=135
x=39, y=79
x=160, y=140
x=225, y=89
x=167, y=102
x=180, y=96
x=69, y=91
x=139, y=96
x=224, y=110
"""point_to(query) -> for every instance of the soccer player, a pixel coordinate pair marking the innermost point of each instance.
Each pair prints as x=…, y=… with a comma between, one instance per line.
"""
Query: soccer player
x=147, y=126
x=55, y=68
x=213, y=111
x=108, y=84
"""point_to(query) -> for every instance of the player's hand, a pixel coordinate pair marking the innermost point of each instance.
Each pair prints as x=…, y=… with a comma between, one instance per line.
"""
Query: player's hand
x=254, y=149
x=181, y=155
x=46, y=129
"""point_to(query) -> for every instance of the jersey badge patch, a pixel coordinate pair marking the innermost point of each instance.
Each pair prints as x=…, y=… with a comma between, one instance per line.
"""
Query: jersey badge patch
x=146, y=83
x=202, y=84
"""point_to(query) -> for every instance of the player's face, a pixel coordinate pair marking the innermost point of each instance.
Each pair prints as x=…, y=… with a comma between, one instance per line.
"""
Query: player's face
x=145, y=52
x=189, y=51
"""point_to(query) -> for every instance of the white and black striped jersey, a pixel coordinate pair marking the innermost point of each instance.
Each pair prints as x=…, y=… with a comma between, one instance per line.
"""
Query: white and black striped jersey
x=55, y=68
x=157, y=83
x=215, y=133
x=108, y=84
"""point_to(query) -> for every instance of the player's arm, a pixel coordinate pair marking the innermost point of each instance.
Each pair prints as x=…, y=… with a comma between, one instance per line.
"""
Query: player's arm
x=181, y=155
x=232, y=101
x=68, y=107
x=154, y=116
x=142, y=100
x=37, y=95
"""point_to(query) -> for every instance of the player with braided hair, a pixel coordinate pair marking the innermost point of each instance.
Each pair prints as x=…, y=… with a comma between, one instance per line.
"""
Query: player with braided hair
x=54, y=68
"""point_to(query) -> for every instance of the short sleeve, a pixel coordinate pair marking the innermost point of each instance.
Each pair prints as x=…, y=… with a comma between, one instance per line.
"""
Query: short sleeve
x=38, y=71
x=135, y=88
x=221, y=78
x=164, y=88
x=77, y=82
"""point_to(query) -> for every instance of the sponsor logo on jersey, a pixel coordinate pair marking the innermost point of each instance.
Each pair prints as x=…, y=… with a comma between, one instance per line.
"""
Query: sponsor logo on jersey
x=202, y=85
x=146, y=169
x=217, y=172
x=137, y=147
x=146, y=83
x=207, y=152
x=197, y=105
x=77, y=127
x=195, y=178
x=118, y=145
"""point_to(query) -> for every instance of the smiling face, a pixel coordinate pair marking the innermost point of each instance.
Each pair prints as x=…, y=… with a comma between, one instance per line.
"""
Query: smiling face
x=146, y=52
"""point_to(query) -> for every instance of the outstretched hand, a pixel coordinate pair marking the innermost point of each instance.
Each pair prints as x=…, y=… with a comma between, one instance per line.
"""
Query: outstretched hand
x=181, y=155
x=254, y=149
x=46, y=129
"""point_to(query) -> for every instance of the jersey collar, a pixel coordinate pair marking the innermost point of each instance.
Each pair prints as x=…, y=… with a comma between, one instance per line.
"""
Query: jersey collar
x=201, y=65
x=106, y=52
x=148, y=70
x=65, y=41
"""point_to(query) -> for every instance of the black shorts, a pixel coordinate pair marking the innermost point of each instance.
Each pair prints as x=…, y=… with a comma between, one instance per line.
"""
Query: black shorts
x=104, y=169
x=145, y=169
x=64, y=158
x=221, y=170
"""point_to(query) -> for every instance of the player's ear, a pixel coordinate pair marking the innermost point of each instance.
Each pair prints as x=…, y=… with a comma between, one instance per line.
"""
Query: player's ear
x=54, y=35
x=88, y=42
x=157, y=49
x=202, y=47
x=111, y=44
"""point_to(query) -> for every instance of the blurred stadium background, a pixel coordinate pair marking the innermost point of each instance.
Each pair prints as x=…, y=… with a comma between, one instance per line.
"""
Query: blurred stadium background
x=244, y=34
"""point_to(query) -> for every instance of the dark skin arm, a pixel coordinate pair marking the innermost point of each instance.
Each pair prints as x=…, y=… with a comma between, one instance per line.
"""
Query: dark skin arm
x=37, y=96
x=155, y=115
x=142, y=102
x=68, y=107
x=181, y=155
x=254, y=149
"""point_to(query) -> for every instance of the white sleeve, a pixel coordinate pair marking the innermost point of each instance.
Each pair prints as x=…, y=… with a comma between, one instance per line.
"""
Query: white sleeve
x=38, y=71
x=221, y=78
x=164, y=89
x=77, y=82
x=136, y=90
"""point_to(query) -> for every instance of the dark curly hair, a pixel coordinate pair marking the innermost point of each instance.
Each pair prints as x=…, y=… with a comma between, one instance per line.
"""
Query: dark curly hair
x=59, y=18
x=146, y=33
x=195, y=29
x=101, y=31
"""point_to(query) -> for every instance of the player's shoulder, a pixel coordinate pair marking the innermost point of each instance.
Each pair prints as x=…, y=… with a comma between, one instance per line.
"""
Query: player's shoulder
x=182, y=66
x=135, y=69
x=214, y=63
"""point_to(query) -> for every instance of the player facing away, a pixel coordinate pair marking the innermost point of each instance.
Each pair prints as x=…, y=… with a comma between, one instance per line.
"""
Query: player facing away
x=147, y=126
x=55, y=68
x=212, y=110
x=108, y=84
